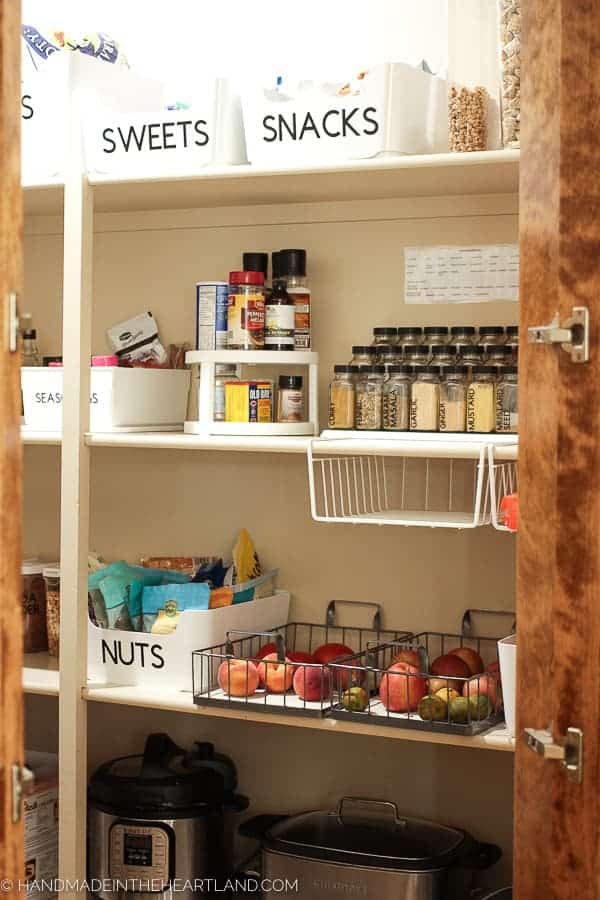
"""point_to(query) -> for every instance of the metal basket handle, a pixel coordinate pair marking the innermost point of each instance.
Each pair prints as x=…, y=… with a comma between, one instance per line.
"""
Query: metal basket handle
x=467, y=624
x=388, y=805
x=277, y=640
x=333, y=604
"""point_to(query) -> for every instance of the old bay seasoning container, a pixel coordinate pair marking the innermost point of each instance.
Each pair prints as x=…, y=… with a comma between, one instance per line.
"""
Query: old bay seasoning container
x=246, y=311
x=249, y=401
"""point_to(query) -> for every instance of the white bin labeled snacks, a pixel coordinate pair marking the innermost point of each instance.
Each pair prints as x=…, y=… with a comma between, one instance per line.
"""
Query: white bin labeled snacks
x=121, y=399
x=507, y=657
x=165, y=661
x=395, y=108
x=167, y=140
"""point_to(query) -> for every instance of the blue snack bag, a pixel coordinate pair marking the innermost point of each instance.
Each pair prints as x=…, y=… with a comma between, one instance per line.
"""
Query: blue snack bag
x=162, y=605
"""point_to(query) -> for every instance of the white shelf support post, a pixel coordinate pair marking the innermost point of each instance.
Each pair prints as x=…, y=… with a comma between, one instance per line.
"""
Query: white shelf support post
x=74, y=548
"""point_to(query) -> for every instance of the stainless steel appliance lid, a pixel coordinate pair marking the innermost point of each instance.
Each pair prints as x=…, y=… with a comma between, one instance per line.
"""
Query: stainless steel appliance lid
x=166, y=781
x=379, y=838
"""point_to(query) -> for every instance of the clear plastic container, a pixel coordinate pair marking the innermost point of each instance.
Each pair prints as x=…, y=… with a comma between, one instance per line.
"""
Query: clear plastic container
x=51, y=575
x=436, y=334
x=507, y=401
x=425, y=400
x=491, y=334
x=417, y=356
x=35, y=638
x=369, y=398
x=363, y=355
x=342, y=397
x=453, y=399
x=385, y=336
x=223, y=372
x=443, y=355
x=481, y=400
x=410, y=337
x=396, y=398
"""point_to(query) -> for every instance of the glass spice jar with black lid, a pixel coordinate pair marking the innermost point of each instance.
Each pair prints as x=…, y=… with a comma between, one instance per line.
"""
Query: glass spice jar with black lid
x=491, y=334
x=363, y=355
x=385, y=335
x=436, y=334
x=416, y=356
x=389, y=355
x=443, y=355
x=497, y=355
x=410, y=336
x=462, y=335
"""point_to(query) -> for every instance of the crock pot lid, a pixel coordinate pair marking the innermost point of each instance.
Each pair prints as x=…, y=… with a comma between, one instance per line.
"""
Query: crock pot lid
x=376, y=840
x=162, y=778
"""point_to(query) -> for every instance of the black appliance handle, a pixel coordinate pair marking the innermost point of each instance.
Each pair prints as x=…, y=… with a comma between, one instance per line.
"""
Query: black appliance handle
x=480, y=856
x=258, y=826
x=387, y=805
x=237, y=803
x=159, y=751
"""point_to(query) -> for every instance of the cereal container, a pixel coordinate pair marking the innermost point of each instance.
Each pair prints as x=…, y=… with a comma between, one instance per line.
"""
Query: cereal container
x=34, y=607
x=51, y=575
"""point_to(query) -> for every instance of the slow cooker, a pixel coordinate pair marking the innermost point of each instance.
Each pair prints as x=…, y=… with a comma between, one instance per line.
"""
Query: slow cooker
x=364, y=848
x=160, y=821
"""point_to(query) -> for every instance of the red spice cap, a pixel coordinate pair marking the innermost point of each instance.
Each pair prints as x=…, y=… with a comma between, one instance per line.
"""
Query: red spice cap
x=247, y=278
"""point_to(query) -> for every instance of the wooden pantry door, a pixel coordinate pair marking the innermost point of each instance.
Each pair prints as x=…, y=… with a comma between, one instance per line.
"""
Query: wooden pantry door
x=557, y=823
x=11, y=281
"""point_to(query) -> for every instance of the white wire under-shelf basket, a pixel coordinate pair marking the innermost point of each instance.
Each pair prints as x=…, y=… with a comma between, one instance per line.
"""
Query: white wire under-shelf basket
x=380, y=489
x=503, y=481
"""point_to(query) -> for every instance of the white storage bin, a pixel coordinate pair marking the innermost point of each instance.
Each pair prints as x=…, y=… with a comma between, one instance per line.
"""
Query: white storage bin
x=164, y=662
x=507, y=656
x=400, y=109
x=121, y=399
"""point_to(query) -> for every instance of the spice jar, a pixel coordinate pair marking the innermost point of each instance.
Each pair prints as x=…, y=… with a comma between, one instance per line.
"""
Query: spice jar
x=396, y=398
x=290, y=400
x=389, y=356
x=443, y=355
x=383, y=336
x=453, y=399
x=363, y=355
x=481, y=402
x=51, y=575
x=512, y=341
x=280, y=318
x=491, y=334
x=34, y=607
x=416, y=356
x=223, y=372
x=425, y=400
x=410, y=336
x=369, y=398
x=462, y=335
x=497, y=355
x=507, y=401
x=436, y=334
x=246, y=311
x=472, y=356
x=342, y=395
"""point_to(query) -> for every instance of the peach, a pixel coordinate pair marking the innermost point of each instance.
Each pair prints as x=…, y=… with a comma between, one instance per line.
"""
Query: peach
x=408, y=656
x=238, y=677
x=401, y=688
x=312, y=682
x=470, y=657
x=483, y=684
x=274, y=674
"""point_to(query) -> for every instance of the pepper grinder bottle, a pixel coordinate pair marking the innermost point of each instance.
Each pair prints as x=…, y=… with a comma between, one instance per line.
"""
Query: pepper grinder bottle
x=257, y=262
x=292, y=269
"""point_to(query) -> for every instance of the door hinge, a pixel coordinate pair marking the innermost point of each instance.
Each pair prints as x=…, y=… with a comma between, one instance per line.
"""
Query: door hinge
x=573, y=336
x=12, y=321
x=568, y=752
x=17, y=791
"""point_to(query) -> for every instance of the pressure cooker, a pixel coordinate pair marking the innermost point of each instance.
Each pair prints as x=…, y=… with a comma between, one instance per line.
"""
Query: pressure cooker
x=364, y=848
x=162, y=821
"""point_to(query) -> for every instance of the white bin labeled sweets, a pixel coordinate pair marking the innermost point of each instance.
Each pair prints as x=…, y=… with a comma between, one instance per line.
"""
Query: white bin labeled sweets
x=164, y=662
x=121, y=399
x=394, y=109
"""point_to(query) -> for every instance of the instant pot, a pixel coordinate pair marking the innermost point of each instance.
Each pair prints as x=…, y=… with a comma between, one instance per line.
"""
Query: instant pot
x=161, y=820
x=364, y=848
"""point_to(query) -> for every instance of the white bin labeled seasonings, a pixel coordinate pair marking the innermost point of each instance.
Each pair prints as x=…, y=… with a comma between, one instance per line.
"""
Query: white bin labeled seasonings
x=164, y=662
x=394, y=108
x=121, y=399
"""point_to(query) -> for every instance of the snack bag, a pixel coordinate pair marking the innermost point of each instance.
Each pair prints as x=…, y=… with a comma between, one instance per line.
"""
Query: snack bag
x=136, y=342
x=246, y=564
x=163, y=605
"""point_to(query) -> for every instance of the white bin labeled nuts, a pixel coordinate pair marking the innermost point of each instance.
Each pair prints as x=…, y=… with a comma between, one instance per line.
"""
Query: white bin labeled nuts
x=394, y=109
x=121, y=399
x=165, y=661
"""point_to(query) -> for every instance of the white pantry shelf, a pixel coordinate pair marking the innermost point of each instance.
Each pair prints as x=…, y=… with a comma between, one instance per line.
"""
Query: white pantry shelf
x=411, y=444
x=44, y=199
x=47, y=438
x=40, y=674
x=497, y=739
x=178, y=441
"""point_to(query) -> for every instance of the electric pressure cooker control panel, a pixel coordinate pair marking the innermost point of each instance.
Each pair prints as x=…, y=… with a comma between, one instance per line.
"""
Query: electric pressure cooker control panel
x=140, y=853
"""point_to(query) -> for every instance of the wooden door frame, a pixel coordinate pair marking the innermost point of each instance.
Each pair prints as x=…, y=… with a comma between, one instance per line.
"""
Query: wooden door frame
x=11, y=280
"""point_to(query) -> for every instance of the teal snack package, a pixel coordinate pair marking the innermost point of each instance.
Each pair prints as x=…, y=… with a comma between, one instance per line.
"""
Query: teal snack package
x=116, y=593
x=162, y=605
